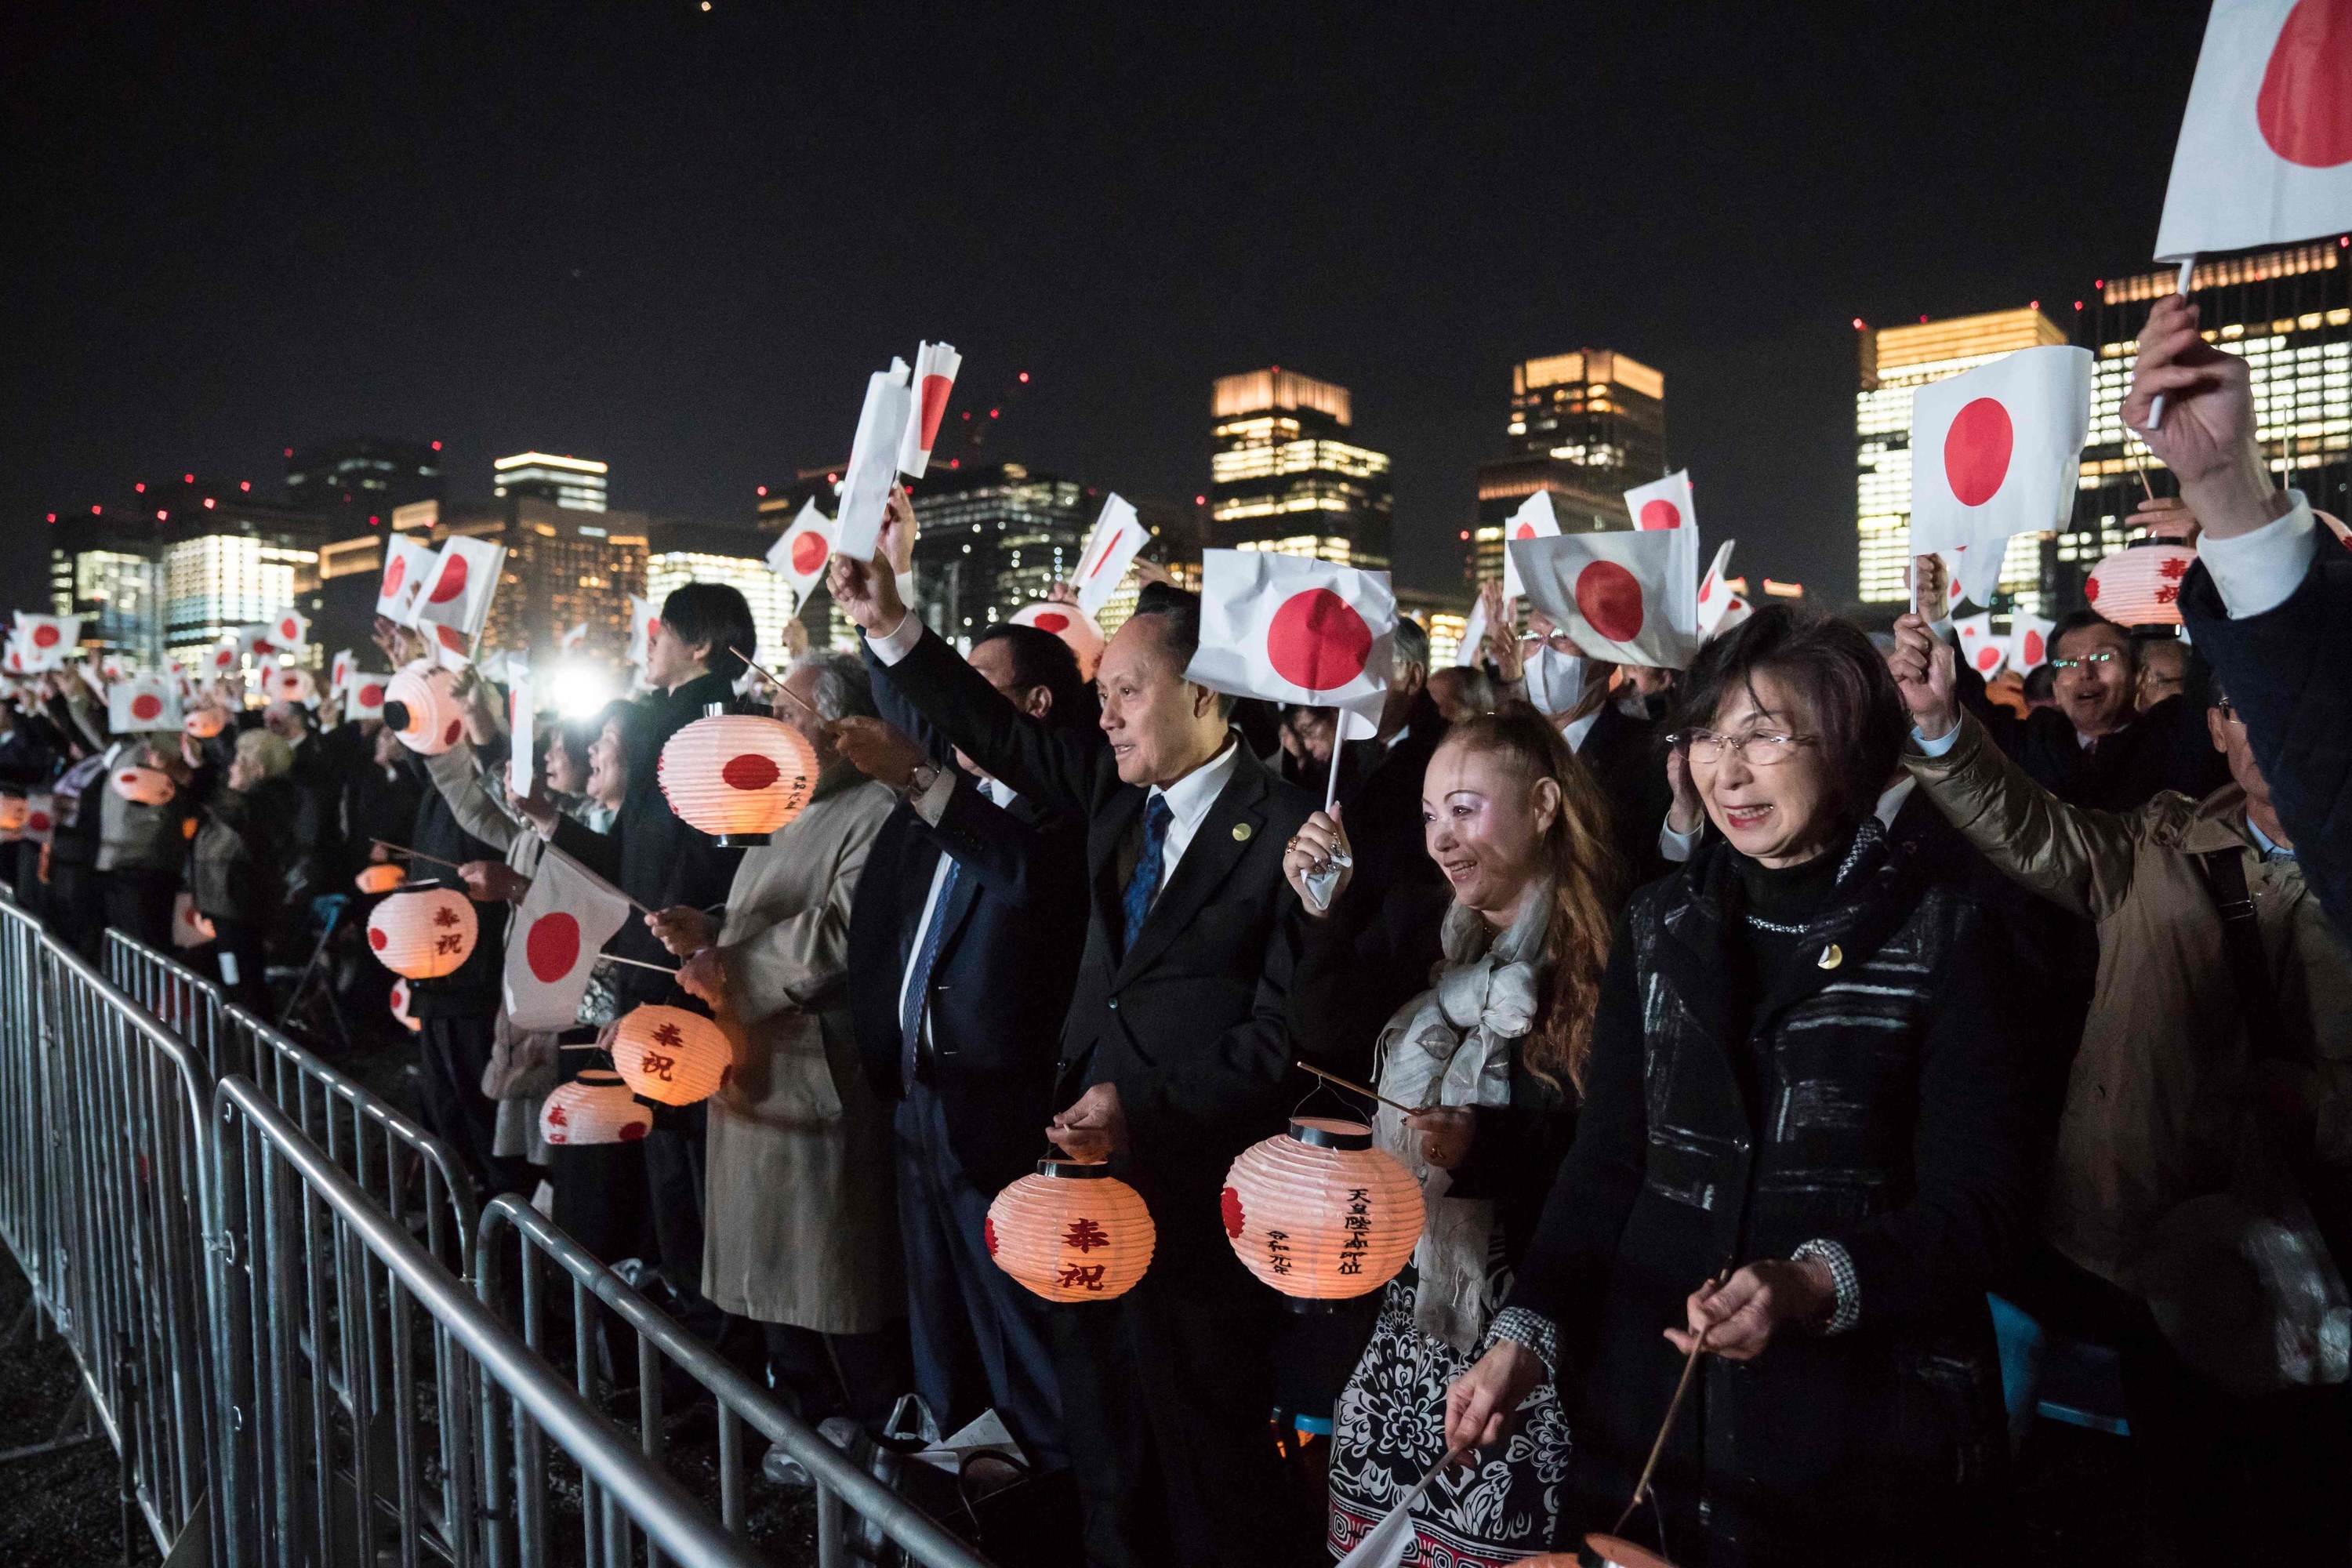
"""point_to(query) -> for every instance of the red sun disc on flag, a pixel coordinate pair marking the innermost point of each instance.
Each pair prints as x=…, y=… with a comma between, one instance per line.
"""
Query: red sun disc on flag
x=371, y=695
x=750, y=771
x=935, y=403
x=146, y=705
x=809, y=551
x=1977, y=449
x=2304, y=108
x=39, y=822
x=1610, y=597
x=288, y=630
x=2033, y=648
x=1525, y=530
x=1048, y=621
x=1986, y=656
x=46, y=636
x=451, y=638
x=261, y=646
x=552, y=947
x=396, y=573
x=1318, y=641
x=452, y=581
x=1661, y=513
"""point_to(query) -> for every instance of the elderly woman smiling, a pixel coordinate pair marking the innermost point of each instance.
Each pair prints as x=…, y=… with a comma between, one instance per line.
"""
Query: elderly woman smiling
x=1805, y=1084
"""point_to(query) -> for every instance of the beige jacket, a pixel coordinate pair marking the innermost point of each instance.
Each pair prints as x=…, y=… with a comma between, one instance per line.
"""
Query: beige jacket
x=2163, y=1085
x=801, y=1219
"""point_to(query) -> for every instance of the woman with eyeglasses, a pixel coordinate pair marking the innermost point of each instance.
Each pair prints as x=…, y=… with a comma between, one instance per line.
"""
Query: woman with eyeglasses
x=1807, y=1141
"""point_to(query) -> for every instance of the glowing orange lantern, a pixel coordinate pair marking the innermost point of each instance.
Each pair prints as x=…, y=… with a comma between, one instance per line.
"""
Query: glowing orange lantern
x=144, y=786
x=400, y=1006
x=1319, y=1212
x=737, y=775
x=15, y=811
x=424, y=935
x=670, y=1055
x=204, y=723
x=382, y=879
x=594, y=1107
x=2140, y=586
x=1071, y=1232
x=422, y=711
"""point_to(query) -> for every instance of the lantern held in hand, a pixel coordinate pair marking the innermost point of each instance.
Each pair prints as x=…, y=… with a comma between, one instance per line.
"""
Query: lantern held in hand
x=1071, y=1232
x=15, y=811
x=594, y=1107
x=1319, y=1212
x=2140, y=586
x=737, y=775
x=423, y=713
x=672, y=1055
x=424, y=935
x=144, y=786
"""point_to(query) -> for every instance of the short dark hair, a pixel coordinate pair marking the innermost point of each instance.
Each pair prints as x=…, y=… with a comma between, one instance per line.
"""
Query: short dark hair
x=2082, y=620
x=1041, y=658
x=1856, y=709
x=1176, y=615
x=716, y=614
x=2041, y=684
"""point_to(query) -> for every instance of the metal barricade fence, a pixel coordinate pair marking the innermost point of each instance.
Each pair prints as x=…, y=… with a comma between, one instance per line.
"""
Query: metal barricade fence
x=105, y=1199
x=181, y=1000
x=309, y=1259
x=662, y=1342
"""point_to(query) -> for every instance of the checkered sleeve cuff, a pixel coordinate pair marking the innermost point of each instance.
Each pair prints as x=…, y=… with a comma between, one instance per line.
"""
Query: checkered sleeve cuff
x=1524, y=1326
x=1848, y=1311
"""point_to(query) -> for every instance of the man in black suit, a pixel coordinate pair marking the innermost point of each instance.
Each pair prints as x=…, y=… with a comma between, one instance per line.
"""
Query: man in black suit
x=963, y=945
x=1175, y=1048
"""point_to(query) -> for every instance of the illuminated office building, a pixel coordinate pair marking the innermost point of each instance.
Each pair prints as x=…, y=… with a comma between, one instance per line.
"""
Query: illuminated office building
x=1586, y=427
x=2289, y=313
x=1896, y=362
x=576, y=484
x=1284, y=478
x=361, y=482
x=991, y=538
x=677, y=553
x=108, y=570
x=565, y=566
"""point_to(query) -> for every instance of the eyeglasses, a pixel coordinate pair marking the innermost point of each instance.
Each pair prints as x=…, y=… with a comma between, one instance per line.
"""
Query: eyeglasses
x=2087, y=659
x=1759, y=749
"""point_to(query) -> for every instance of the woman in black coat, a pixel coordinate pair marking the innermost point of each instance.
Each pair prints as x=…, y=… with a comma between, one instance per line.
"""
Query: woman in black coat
x=1807, y=1081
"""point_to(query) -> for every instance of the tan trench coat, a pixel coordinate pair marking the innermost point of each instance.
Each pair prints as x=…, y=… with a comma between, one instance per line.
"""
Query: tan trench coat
x=2163, y=1082
x=801, y=1224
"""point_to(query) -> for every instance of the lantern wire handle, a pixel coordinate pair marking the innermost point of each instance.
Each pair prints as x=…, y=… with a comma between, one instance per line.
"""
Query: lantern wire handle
x=1337, y=1081
x=779, y=685
x=1673, y=1408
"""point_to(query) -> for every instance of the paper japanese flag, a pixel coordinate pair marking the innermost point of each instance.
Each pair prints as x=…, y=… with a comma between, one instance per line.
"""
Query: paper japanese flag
x=40, y=817
x=520, y=711
x=1473, y=632
x=456, y=599
x=2265, y=149
x=1118, y=534
x=2028, y=642
x=1290, y=629
x=1984, y=652
x=291, y=630
x=114, y=667
x=365, y=697
x=260, y=639
x=1612, y=593
x=292, y=686
x=406, y=565
x=1070, y=624
x=935, y=372
x=565, y=920
x=45, y=640
x=642, y=622
x=1996, y=451
x=575, y=640
x=1533, y=520
x=1715, y=595
x=339, y=672
x=143, y=703
x=1664, y=506
x=1733, y=613
x=799, y=557
x=1971, y=574
x=873, y=462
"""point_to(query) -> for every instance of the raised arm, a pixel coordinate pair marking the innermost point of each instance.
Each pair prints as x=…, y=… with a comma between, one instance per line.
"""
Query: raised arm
x=458, y=778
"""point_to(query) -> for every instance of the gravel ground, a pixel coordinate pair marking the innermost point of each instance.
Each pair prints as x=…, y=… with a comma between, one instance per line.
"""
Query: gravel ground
x=59, y=1510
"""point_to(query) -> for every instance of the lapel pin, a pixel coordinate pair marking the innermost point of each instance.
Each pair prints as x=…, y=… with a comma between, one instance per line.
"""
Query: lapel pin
x=1242, y=831
x=1831, y=957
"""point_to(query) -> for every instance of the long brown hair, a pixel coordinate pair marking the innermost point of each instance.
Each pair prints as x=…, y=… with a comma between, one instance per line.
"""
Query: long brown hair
x=1578, y=856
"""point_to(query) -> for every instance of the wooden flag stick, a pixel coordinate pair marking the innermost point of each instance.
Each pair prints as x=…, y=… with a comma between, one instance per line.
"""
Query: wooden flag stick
x=637, y=963
x=2188, y=275
x=779, y=685
x=415, y=855
x=1357, y=1089
x=1674, y=1408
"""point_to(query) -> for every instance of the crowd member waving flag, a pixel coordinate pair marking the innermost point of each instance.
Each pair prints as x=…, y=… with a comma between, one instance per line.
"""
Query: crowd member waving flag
x=935, y=372
x=565, y=920
x=143, y=703
x=43, y=641
x=1613, y=594
x=455, y=604
x=799, y=556
x=872, y=469
x=406, y=565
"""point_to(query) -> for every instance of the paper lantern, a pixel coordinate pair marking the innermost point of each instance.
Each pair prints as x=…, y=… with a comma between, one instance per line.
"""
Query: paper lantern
x=15, y=811
x=1319, y=1212
x=2140, y=586
x=382, y=879
x=424, y=935
x=737, y=775
x=1071, y=1232
x=594, y=1107
x=419, y=706
x=292, y=686
x=204, y=723
x=144, y=786
x=670, y=1055
x=1611, y=1552
x=400, y=1006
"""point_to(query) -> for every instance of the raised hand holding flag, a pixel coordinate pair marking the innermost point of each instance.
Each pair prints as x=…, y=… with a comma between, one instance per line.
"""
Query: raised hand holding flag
x=935, y=372
x=872, y=461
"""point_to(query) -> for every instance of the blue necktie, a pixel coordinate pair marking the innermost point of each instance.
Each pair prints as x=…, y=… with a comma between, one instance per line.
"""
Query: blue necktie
x=918, y=985
x=1145, y=880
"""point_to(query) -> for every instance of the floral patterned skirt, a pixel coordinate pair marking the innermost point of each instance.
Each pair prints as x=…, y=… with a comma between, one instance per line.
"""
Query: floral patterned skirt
x=1390, y=1429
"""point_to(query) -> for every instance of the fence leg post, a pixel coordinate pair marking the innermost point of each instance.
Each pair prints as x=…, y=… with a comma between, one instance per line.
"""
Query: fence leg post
x=830, y=1544
x=126, y=1374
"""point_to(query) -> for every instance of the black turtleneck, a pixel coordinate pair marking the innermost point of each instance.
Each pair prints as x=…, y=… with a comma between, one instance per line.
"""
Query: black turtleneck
x=1786, y=899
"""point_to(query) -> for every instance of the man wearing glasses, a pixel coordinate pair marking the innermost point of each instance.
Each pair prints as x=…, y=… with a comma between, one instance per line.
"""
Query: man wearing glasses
x=2096, y=748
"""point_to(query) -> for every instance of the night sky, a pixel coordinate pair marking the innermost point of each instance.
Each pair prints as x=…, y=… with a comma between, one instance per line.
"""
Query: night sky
x=679, y=239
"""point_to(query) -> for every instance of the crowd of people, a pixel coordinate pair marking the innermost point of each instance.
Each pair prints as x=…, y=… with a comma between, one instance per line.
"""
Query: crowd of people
x=1763, y=1022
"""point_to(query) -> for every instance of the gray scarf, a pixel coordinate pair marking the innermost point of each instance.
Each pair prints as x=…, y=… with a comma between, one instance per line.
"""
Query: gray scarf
x=1453, y=1044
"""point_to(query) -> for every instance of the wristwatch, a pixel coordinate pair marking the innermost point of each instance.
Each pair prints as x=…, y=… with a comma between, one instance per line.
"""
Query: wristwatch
x=920, y=782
